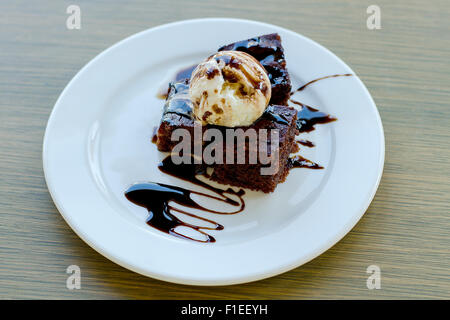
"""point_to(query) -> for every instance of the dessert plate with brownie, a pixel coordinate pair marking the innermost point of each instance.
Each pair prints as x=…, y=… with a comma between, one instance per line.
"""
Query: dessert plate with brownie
x=213, y=151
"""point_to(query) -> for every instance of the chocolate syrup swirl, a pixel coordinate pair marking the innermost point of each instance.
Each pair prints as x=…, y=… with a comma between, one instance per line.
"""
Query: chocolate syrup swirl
x=322, y=78
x=155, y=197
x=307, y=118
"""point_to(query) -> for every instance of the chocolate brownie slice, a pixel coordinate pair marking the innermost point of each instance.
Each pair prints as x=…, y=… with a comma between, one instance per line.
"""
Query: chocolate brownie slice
x=178, y=114
x=267, y=49
x=250, y=176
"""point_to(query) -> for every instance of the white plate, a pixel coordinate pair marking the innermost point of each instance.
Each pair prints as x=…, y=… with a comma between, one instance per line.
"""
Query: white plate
x=97, y=143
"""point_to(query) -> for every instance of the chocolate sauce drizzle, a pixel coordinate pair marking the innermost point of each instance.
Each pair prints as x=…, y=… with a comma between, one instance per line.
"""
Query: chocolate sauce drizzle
x=300, y=162
x=306, y=143
x=308, y=116
x=155, y=197
x=155, y=135
x=322, y=78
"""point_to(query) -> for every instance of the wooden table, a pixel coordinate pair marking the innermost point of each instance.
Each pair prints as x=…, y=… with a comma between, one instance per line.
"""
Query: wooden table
x=405, y=65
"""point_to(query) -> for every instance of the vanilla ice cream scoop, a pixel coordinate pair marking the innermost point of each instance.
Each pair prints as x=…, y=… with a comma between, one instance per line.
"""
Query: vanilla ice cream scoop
x=230, y=88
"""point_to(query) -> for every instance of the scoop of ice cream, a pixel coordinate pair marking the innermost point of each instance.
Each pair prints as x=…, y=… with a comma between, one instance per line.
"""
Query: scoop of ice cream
x=230, y=88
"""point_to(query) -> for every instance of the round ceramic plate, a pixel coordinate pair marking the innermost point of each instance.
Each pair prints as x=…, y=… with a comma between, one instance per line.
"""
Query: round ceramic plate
x=97, y=144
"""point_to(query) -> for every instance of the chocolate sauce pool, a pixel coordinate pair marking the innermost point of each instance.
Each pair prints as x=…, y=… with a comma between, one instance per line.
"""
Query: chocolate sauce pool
x=307, y=117
x=157, y=197
x=306, y=143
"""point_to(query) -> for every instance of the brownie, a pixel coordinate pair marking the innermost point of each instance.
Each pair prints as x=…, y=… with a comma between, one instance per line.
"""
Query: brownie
x=249, y=176
x=178, y=114
x=267, y=49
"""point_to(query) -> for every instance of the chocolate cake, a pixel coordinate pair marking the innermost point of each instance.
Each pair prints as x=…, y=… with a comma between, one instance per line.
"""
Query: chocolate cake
x=178, y=108
x=178, y=114
x=282, y=118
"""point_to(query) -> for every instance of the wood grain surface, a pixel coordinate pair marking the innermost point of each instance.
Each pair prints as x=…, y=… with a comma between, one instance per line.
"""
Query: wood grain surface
x=405, y=65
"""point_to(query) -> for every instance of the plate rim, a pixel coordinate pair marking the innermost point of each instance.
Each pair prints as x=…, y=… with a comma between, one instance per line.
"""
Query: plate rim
x=276, y=271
